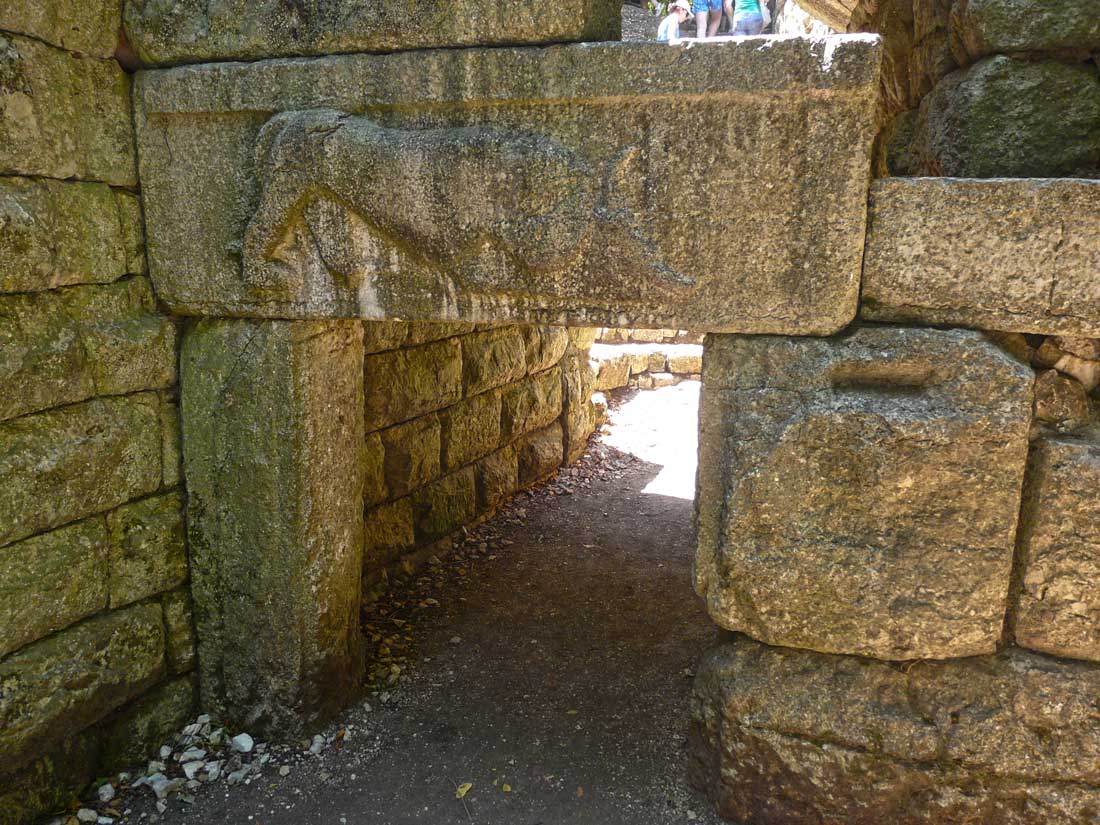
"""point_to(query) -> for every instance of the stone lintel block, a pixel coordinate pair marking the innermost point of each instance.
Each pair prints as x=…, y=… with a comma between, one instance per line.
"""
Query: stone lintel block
x=531, y=404
x=1013, y=255
x=148, y=550
x=130, y=736
x=492, y=358
x=52, y=580
x=63, y=116
x=860, y=494
x=237, y=226
x=388, y=533
x=89, y=28
x=412, y=454
x=539, y=454
x=69, y=345
x=470, y=429
x=1058, y=565
x=273, y=440
x=983, y=27
x=191, y=31
x=62, y=233
x=62, y=465
x=408, y=383
x=71, y=680
x=445, y=505
x=792, y=737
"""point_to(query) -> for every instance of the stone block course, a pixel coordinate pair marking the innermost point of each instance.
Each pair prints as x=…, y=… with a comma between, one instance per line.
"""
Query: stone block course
x=1057, y=607
x=148, y=552
x=539, y=454
x=445, y=505
x=787, y=737
x=63, y=116
x=89, y=28
x=408, y=383
x=52, y=580
x=470, y=429
x=49, y=782
x=860, y=494
x=491, y=359
x=983, y=27
x=138, y=730
x=62, y=465
x=531, y=404
x=497, y=477
x=62, y=233
x=544, y=346
x=179, y=630
x=388, y=533
x=74, y=678
x=190, y=31
x=412, y=454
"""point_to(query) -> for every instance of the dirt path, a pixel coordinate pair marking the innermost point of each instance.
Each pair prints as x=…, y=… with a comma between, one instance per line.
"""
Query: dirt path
x=557, y=662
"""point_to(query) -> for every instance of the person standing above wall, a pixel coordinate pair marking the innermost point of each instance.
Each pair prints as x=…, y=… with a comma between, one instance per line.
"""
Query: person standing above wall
x=746, y=16
x=669, y=30
x=708, y=16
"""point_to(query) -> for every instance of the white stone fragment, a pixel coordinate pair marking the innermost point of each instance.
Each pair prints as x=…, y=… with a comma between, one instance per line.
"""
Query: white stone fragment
x=87, y=815
x=242, y=743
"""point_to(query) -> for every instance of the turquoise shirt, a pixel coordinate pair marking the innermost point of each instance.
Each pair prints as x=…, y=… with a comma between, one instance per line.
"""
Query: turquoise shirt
x=746, y=7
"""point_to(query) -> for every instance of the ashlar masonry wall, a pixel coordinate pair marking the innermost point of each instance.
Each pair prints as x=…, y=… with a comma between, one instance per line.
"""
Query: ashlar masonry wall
x=96, y=642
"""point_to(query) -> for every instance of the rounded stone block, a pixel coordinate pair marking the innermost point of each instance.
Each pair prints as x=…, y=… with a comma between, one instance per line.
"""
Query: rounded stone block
x=860, y=494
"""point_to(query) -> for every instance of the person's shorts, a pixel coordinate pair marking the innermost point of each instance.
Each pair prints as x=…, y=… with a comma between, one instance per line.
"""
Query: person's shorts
x=748, y=23
x=700, y=6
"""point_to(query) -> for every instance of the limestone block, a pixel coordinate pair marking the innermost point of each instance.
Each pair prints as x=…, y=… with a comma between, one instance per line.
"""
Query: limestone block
x=192, y=31
x=50, y=581
x=981, y=27
x=388, y=533
x=1087, y=373
x=408, y=383
x=1061, y=402
x=48, y=783
x=790, y=737
x=380, y=336
x=539, y=454
x=1015, y=255
x=531, y=404
x=663, y=379
x=61, y=465
x=374, y=471
x=137, y=731
x=441, y=508
x=578, y=414
x=685, y=362
x=273, y=441
x=580, y=146
x=582, y=337
x=63, y=116
x=74, y=678
x=492, y=359
x=497, y=477
x=1058, y=607
x=179, y=630
x=1087, y=348
x=55, y=233
x=171, y=456
x=1012, y=118
x=424, y=332
x=860, y=494
x=544, y=345
x=148, y=552
x=89, y=28
x=469, y=430
x=613, y=372
x=412, y=454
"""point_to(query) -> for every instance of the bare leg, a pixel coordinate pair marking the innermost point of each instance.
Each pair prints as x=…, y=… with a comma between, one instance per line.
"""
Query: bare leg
x=715, y=21
x=728, y=5
x=700, y=24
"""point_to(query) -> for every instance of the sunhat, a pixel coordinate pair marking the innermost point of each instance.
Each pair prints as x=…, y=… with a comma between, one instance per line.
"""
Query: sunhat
x=680, y=4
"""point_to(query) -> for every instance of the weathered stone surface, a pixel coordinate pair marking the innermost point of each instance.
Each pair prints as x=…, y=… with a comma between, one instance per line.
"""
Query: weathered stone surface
x=49, y=782
x=470, y=429
x=613, y=372
x=424, y=332
x=171, y=457
x=981, y=27
x=1012, y=118
x=63, y=116
x=539, y=454
x=1061, y=402
x=860, y=494
x=66, y=346
x=90, y=28
x=74, y=678
x=578, y=414
x=191, y=31
x=381, y=336
x=412, y=454
x=1057, y=605
x=685, y=360
x=50, y=581
x=492, y=359
x=497, y=477
x=441, y=508
x=179, y=630
x=148, y=552
x=584, y=238
x=531, y=404
x=273, y=435
x=61, y=465
x=999, y=254
x=374, y=470
x=55, y=233
x=788, y=737
x=138, y=730
x=408, y=383
x=388, y=533
x=544, y=346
